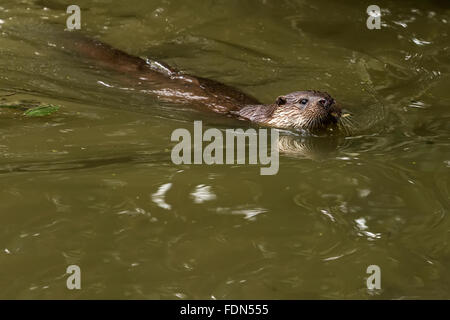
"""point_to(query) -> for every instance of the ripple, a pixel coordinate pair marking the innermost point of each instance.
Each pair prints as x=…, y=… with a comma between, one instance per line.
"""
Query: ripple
x=203, y=193
x=159, y=196
x=420, y=42
x=248, y=213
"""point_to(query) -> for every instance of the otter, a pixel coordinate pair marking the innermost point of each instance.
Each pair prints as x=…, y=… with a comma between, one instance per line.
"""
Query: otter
x=301, y=110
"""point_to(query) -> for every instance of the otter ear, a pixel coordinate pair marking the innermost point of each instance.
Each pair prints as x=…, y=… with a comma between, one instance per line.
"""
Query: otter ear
x=281, y=100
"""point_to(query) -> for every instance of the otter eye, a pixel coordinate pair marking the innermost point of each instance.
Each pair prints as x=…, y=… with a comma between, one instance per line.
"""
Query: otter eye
x=304, y=101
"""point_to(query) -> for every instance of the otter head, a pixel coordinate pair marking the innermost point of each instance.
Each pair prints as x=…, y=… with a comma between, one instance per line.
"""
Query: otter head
x=308, y=110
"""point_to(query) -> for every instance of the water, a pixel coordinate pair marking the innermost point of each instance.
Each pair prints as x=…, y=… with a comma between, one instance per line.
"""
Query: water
x=93, y=184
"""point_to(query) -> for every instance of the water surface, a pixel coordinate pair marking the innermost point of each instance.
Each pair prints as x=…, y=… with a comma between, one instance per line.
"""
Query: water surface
x=93, y=184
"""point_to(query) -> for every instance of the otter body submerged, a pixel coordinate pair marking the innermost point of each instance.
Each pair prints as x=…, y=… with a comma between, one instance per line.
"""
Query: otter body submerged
x=301, y=110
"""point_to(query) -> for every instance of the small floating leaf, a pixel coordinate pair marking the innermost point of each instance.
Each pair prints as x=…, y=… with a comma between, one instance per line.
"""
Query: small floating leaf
x=41, y=111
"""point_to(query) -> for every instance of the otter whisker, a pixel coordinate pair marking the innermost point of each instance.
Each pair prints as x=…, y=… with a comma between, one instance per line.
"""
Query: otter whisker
x=346, y=124
x=348, y=121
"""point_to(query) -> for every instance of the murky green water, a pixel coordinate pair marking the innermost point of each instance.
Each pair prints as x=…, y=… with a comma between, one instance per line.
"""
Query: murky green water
x=93, y=184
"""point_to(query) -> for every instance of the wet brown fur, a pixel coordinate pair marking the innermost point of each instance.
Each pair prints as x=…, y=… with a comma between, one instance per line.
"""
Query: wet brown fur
x=288, y=112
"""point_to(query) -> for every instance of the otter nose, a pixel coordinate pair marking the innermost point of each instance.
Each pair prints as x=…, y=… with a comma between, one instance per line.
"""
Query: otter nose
x=326, y=102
